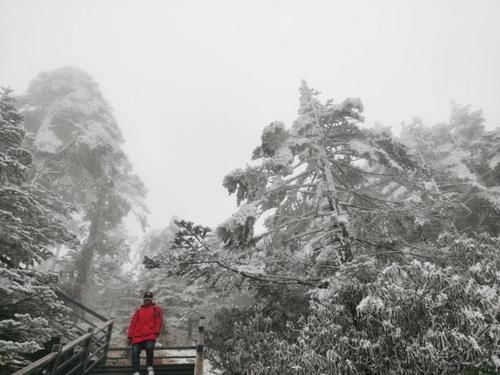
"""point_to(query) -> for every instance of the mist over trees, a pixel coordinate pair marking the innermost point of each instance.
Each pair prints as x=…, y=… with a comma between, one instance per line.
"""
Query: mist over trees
x=350, y=250
x=67, y=187
x=77, y=147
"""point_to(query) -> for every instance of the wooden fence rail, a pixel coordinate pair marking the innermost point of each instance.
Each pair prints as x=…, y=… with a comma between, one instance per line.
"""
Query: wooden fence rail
x=76, y=357
x=91, y=348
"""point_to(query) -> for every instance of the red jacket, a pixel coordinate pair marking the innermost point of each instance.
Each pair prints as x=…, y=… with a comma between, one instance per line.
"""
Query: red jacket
x=145, y=324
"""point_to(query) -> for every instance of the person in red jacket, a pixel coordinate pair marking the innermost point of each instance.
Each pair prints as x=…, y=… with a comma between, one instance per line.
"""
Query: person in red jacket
x=143, y=331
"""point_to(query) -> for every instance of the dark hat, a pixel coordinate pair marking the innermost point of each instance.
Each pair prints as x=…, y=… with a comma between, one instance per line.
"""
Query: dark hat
x=148, y=295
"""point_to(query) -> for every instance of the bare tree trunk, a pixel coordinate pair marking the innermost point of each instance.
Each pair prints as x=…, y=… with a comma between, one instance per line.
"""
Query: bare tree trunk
x=88, y=249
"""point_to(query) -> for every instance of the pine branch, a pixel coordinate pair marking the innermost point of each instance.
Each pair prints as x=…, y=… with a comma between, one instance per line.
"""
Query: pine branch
x=278, y=279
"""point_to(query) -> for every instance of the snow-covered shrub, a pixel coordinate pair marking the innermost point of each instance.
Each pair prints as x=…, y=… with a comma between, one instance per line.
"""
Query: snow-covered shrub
x=257, y=339
x=414, y=318
x=31, y=315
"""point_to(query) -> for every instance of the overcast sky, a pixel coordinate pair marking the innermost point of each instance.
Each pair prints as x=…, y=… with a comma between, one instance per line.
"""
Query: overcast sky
x=193, y=83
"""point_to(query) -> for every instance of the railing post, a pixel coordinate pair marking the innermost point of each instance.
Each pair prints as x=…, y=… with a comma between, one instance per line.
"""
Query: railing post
x=56, y=348
x=86, y=351
x=108, y=340
x=198, y=367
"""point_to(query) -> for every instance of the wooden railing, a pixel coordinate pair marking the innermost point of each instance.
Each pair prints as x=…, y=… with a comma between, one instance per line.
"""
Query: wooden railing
x=118, y=354
x=91, y=348
x=79, y=356
x=124, y=353
x=87, y=346
x=198, y=367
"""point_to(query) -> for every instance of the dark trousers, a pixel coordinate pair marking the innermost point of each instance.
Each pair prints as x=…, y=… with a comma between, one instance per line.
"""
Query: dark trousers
x=136, y=354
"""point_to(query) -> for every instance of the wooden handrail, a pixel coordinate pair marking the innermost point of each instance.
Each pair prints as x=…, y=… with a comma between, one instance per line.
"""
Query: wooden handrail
x=75, y=342
x=69, y=360
x=156, y=357
x=54, y=356
x=157, y=348
x=92, y=355
x=118, y=348
x=37, y=364
x=104, y=325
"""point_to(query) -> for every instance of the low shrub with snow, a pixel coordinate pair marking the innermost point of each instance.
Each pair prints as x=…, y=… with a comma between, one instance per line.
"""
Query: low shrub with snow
x=415, y=317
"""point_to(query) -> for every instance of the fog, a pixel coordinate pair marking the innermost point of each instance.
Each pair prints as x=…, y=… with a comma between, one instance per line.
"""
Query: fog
x=193, y=83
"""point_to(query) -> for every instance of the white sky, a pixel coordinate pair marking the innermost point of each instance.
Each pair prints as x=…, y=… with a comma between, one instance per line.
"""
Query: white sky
x=194, y=82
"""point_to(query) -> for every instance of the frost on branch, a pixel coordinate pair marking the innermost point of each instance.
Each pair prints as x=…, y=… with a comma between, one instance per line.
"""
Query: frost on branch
x=238, y=229
x=273, y=137
x=248, y=184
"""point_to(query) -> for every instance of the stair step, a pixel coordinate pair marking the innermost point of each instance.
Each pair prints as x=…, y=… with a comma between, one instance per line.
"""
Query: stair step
x=172, y=369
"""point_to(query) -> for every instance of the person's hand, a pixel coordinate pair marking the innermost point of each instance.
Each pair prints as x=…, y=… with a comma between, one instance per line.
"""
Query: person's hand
x=129, y=341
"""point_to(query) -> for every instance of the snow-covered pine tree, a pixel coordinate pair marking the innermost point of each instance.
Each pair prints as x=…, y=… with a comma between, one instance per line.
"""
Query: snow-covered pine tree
x=30, y=312
x=77, y=147
x=338, y=203
x=316, y=189
x=463, y=159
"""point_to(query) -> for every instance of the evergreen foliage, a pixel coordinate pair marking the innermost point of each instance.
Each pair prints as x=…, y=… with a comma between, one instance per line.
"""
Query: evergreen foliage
x=30, y=226
x=183, y=299
x=76, y=144
x=463, y=160
x=361, y=268
x=400, y=318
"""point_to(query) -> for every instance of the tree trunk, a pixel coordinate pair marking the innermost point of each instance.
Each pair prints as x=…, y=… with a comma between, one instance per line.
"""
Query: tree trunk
x=341, y=235
x=88, y=249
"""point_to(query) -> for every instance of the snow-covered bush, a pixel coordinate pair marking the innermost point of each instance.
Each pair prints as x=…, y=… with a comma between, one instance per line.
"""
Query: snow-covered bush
x=413, y=318
x=31, y=315
x=257, y=339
